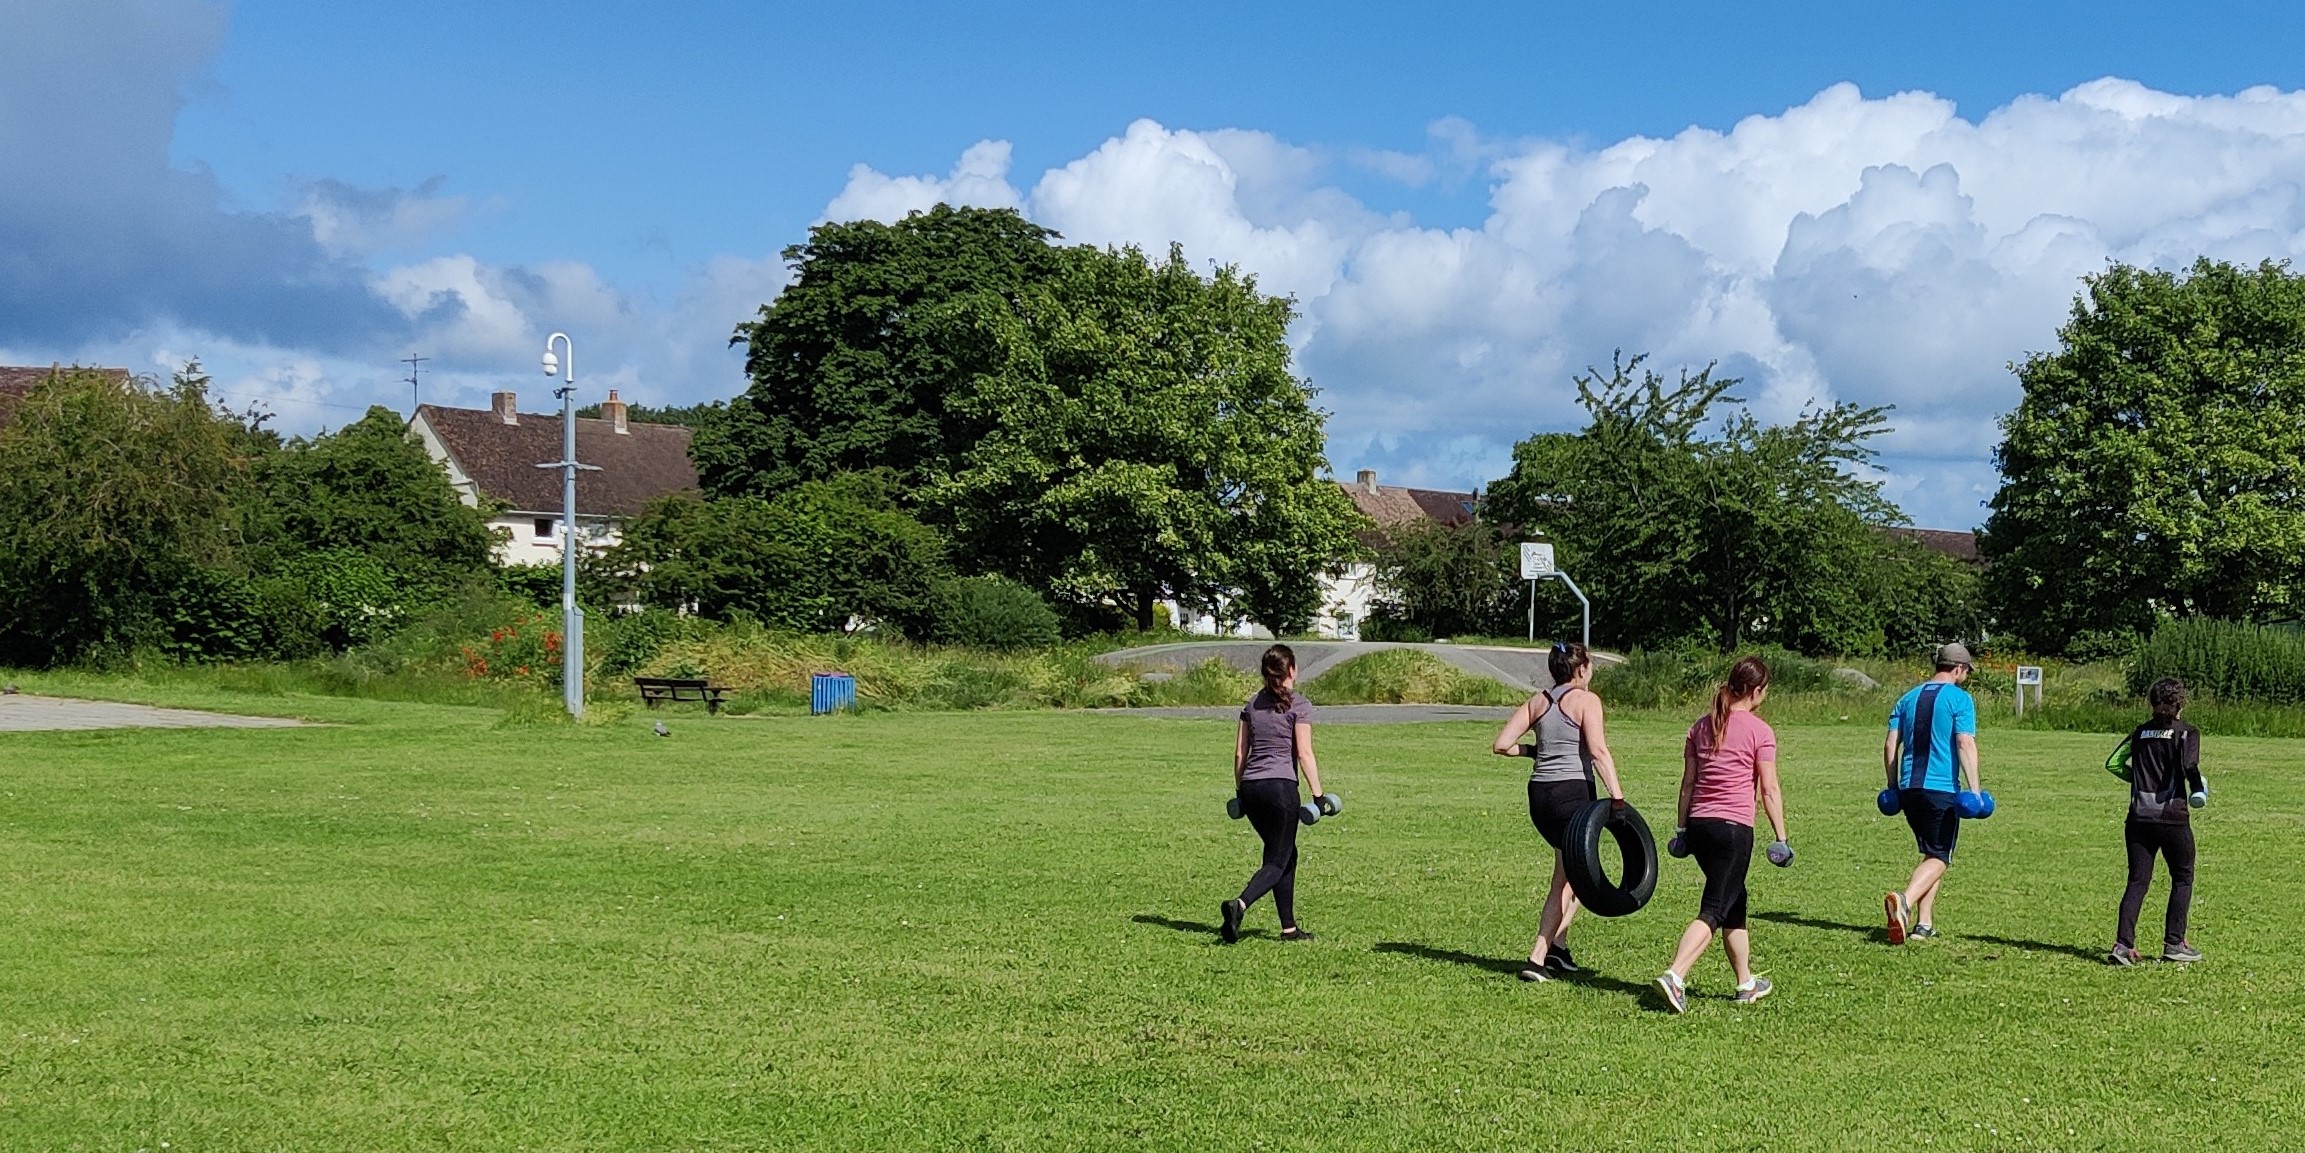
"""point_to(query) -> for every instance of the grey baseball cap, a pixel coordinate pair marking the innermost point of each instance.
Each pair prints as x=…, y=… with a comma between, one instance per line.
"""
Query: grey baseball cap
x=1954, y=654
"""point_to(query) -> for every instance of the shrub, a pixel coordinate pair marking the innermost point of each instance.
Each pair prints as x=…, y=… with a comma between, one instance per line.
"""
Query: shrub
x=1406, y=676
x=992, y=612
x=617, y=643
x=2224, y=659
x=1384, y=625
x=2092, y=645
x=1662, y=678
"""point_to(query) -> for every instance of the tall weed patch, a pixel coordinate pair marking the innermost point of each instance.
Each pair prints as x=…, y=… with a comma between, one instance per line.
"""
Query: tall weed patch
x=2225, y=660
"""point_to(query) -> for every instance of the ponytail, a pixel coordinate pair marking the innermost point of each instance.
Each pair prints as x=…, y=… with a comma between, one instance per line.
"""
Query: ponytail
x=1746, y=678
x=1279, y=661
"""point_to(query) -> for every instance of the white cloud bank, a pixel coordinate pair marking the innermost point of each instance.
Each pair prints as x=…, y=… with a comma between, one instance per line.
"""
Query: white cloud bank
x=1885, y=251
x=1882, y=251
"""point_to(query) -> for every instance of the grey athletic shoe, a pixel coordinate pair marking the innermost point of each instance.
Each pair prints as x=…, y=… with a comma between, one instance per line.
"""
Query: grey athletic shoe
x=2123, y=956
x=1754, y=990
x=2182, y=951
x=1923, y=933
x=1676, y=994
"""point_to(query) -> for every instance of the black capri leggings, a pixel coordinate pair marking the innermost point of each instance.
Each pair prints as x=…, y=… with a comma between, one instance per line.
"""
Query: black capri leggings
x=1724, y=850
x=2174, y=844
x=1271, y=806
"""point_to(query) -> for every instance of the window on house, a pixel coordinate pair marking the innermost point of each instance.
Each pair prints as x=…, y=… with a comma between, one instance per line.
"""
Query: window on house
x=544, y=527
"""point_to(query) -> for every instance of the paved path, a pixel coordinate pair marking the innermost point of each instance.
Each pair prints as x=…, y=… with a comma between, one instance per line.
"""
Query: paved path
x=1332, y=714
x=1523, y=669
x=20, y=714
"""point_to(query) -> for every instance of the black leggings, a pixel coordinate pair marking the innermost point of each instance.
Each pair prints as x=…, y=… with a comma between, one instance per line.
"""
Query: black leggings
x=2175, y=844
x=1271, y=806
x=1724, y=850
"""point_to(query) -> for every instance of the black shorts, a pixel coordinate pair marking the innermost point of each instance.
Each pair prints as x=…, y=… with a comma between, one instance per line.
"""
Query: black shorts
x=1552, y=803
x=1724, y=850
x=1936, y=821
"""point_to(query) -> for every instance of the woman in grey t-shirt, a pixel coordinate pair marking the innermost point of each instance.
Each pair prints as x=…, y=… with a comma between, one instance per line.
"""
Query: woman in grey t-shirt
x=1274, y=741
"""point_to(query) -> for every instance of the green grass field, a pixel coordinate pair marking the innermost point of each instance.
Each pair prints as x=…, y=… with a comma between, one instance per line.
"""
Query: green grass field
x=416, y=928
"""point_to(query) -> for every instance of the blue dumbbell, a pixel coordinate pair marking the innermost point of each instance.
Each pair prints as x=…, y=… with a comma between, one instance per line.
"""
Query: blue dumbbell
x=1330, y=804
x=1233, y=807
x=1309, y=813
x=1887, y=802
x=1974, y=806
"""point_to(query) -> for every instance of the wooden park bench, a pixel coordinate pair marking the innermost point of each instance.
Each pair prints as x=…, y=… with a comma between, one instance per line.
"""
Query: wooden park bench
x=657, y=690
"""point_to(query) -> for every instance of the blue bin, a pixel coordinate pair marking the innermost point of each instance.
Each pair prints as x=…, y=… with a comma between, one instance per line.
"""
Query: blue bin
x=831, y=693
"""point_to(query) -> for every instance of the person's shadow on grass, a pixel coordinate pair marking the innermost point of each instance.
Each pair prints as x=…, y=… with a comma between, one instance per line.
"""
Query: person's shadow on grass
x=2089, y=955
x=1881, y=934
x=1196, y=927
x=1506, y=966
x=1871, y=933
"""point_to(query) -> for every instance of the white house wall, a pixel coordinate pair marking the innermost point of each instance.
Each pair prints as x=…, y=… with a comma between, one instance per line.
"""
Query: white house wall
x=1345, y=603
x=517, y=541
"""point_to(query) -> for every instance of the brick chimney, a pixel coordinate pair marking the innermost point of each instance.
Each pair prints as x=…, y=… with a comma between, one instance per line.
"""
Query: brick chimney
x=613, y=409
x=507, y=407
x=1367, y=480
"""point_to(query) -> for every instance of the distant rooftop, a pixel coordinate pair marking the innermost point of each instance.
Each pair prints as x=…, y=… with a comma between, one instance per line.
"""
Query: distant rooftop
x=499, y=449
x=1391, y=504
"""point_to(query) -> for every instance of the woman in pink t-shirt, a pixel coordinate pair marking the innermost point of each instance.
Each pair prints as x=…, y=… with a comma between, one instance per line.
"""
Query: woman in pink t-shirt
x=1730, y=755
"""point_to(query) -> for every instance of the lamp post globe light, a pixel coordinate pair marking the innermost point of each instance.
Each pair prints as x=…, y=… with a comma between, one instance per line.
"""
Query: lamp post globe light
x=571, y=617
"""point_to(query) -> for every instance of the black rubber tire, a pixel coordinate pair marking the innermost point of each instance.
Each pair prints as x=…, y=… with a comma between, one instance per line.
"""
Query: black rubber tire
x=1582, y=857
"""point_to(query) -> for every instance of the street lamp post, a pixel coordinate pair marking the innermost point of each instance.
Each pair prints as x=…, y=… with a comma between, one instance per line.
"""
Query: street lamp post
x=571, y=617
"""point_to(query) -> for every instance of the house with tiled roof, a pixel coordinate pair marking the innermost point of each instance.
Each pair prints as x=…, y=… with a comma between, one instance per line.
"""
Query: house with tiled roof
x=491, y=455
x=1347, y=598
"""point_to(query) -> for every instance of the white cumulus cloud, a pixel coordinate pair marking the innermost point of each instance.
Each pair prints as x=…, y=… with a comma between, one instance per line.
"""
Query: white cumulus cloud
x=1883, y=250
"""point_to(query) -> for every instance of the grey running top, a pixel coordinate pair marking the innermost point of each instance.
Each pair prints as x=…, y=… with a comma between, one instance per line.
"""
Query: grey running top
x=1560, y=749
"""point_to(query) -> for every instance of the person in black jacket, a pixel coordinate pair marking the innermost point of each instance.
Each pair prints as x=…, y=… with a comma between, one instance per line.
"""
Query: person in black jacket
x=2165, y=784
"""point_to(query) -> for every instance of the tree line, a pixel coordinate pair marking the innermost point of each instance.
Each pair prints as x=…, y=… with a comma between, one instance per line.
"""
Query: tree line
x=957, y=427
x=141, y=517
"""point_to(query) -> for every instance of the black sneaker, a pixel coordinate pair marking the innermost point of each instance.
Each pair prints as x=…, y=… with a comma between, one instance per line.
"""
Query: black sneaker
x=1535, y=973
x=1558, y=960
x=1298, y=935
x=1231, y=911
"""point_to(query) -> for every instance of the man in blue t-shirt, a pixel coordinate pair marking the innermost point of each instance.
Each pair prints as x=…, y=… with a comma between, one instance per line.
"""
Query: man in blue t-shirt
x=1933, y=728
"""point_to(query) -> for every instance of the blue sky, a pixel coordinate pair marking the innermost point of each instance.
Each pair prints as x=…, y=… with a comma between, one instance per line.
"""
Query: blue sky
x=1471, y=201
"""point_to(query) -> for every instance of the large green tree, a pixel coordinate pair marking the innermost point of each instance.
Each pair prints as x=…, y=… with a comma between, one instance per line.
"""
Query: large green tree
x=1685, y=523
x=1104, y=427
x=819, y=557
x=1143, y=438
x=370, y=488
x=853, y=364
x=2153, y=466
x=1454, y=580
x=117, y=517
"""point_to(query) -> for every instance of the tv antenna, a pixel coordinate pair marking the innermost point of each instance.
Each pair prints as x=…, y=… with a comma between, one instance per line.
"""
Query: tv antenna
x=414, y=363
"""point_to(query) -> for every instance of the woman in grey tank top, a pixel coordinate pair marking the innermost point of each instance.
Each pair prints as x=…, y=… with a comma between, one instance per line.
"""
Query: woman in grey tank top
x=1570, y=752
